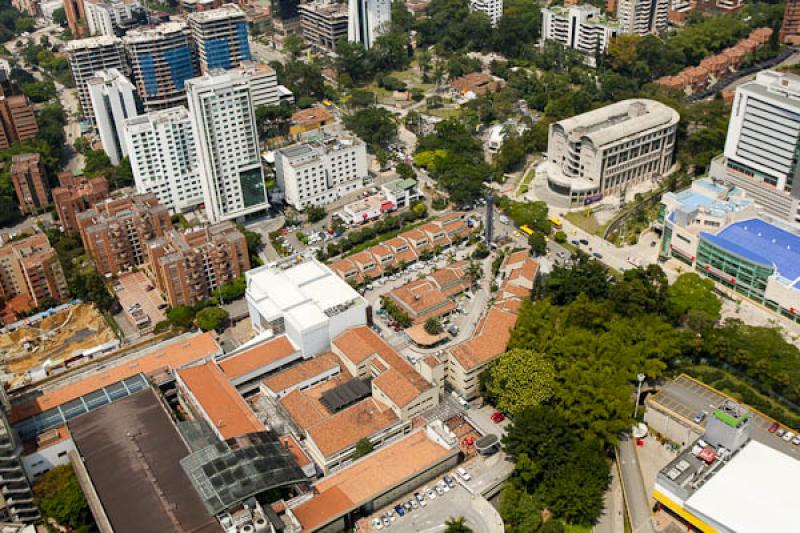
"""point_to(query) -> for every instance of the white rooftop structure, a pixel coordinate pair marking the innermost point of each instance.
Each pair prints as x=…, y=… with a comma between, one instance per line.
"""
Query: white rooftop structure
x=755, y=492
x=307, y=301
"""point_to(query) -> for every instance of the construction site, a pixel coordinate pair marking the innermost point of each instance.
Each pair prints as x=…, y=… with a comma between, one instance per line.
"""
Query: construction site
x=49, y=343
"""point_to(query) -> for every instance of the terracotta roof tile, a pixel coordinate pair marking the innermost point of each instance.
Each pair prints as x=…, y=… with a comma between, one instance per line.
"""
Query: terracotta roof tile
x=369, y=477
x=294, y=448
x=257, y=357
x=220, y=401
x=303, y=371
x=490, y=340
x=173, y=356
x=350, y=425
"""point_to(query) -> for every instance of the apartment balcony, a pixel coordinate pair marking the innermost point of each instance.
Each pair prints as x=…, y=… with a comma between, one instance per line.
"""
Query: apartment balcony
x=20, y=500
x=21, y=490
x=13, y=478
x=10, y=467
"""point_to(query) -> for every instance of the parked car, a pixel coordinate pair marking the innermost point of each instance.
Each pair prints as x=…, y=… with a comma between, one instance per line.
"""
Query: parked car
x=430, y=493
x=407, y=506
x=463, y=473
x=386, y=521
x=780, y=431
x=796, y=440
x=774, y=427
x=414, y=503
x=699, y=417
x=788, y=436
x=597, y=255
x=497, y=417
x=377, y=524
x=399, y=510
x=439, y=490
x=450, y=481
x=583, y=241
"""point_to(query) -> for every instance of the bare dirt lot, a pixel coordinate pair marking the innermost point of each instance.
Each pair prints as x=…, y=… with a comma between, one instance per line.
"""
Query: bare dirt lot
x=57, y=336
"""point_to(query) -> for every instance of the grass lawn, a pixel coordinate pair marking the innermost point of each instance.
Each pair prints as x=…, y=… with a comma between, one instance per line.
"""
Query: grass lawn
x=442, y=112
x=572, y=528
x=526, y=180
x=586, y=223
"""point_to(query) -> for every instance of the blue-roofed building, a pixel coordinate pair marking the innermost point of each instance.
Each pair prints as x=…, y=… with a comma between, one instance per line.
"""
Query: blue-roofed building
x=719, y=232
x=705, y=206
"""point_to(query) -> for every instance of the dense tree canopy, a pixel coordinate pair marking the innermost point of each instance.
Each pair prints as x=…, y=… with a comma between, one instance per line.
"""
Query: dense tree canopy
x=60, y=497
x=374, y=125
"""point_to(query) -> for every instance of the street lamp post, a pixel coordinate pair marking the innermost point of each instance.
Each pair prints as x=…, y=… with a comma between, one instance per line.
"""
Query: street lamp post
x=640, y=377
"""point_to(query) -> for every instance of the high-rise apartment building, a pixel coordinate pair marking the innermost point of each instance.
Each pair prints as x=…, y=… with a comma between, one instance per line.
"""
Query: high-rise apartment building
x=162, y=59
x=188, y=265
x=76, y=18
x=75, y=195
x=112, y=17
x=14, y=484
x=790, y=28
x=608, y=149
x=17, y=120
x=90, y=55
x=115, y=231
x=228, y=159
x=762, y=144
x=369, y=19
x=491, y=8
x=30, y=182
x=30, y=269
x=220, y=37
x=641, y=17
x=264, y=89
x=197, y=6
x=113, y=102
x=163, y=155
x=582, y=27
x=318, y=173
x=324, y=24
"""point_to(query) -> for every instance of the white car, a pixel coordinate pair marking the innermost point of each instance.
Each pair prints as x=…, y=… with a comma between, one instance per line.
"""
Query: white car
x=788, y=436
x=463, y=473
x=377, y=524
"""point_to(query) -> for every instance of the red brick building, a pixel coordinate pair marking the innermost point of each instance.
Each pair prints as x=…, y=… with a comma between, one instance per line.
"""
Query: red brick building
x=30, y=182
x=76, y=195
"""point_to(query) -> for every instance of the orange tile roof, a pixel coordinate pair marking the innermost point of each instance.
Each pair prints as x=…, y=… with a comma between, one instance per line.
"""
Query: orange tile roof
x=304, y=407
x=422, y=300
x=359, y=343
x=294, y=448
x=174, y=356
x=302, y=372
x=46, y=440
x=350, y=425
x=396, y=387
x=513, y=258
x=312, y=114
x=257, y=357
x=489, y=342
x=369, y=478
x=220, y=401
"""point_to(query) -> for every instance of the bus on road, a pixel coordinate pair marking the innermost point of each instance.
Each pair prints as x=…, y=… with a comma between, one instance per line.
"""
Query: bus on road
x=556, y=222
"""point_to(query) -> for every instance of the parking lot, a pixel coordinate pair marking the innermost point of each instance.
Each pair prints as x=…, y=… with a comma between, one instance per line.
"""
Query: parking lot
x=440, y=505
x=137, y=301
x=687, y=398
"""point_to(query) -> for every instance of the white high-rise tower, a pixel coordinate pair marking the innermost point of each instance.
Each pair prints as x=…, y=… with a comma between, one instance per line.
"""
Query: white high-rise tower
x=369, y=19
x=228, y=159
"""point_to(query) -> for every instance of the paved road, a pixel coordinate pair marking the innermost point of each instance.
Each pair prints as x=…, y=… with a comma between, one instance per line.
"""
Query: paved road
x=686, y=398
x=635, y=490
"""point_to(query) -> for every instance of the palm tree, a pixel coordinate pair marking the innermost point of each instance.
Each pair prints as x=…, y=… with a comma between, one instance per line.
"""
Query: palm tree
x=456, y=525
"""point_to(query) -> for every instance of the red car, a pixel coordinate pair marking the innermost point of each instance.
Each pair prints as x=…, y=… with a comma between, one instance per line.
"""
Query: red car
x=773, y=428
x=498, y=417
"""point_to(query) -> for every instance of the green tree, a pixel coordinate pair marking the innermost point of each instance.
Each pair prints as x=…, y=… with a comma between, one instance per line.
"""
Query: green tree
x=60, y=497
x=560, y=237
x=361, y=98
x=456, y=525
x=181, y=317
x=405, y=171
x=376, y=126
x=402, y=19
x=538, y=244
x=691, y=300
x=294, y=45
x=521, y=379
x=363, y=447
x=60, y=16
x=211, y=318
x=315, y=214
x=585, y=276
x=433, y=326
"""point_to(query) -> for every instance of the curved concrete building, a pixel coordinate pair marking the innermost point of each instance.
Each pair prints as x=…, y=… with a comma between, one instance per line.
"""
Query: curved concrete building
x=607, y=149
